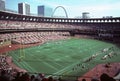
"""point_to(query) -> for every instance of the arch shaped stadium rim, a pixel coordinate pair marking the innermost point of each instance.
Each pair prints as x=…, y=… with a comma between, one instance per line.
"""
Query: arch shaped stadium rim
x=5, y=15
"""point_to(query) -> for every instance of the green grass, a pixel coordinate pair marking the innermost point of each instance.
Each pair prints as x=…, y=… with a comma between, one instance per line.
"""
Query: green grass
x=60, y=57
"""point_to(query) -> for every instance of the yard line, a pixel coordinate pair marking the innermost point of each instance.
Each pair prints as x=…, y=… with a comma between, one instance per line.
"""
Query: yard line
x=29, y=67
x=44, y=62
x=55, y=62
x=62, y=71
x=47, y=64
x=66, y=69
x=52, y=57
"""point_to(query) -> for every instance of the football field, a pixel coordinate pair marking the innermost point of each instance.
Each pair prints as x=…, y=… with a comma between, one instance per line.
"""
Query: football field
x=66, y=57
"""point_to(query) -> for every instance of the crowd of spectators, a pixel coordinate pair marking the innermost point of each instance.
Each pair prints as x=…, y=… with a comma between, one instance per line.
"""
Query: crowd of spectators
x=26, y=38
x=31, y=37
x=20, y=76
x=40, y=37
x=24, y=76
x=3, y=63
x=103, y=77
x=5, y=24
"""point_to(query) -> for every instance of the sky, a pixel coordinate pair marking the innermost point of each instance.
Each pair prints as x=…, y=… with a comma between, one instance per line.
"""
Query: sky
x=74, y=8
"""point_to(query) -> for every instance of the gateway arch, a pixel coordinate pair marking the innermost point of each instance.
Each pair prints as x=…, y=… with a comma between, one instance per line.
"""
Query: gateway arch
x=62, y=8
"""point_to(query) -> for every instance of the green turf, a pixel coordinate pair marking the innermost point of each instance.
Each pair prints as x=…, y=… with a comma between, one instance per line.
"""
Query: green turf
x=61, y=57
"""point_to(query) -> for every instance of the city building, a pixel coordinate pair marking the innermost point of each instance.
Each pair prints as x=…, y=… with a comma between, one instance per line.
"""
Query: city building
x=85, y=15
x=2, y=5
x=24, y=8
x=107, y=16
x=44, y=11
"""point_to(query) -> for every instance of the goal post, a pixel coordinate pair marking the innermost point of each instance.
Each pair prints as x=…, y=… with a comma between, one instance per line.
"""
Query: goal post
x=22, y=52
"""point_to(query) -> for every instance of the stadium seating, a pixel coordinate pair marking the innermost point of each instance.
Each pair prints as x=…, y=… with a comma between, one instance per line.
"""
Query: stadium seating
x=30, y=37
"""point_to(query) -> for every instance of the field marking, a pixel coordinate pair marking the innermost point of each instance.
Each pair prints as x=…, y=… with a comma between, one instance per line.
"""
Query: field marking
x=66, y=68
x=23, y=63
x=47, y=63
x=93, y=44
x=51, y=56
x=44, y=62
x=87, y=45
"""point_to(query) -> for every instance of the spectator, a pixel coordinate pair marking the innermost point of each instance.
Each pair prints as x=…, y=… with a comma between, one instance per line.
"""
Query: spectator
x=50, y=79
x=83, y=79
x=105, y=77
x=4, y=76
x=32, y=78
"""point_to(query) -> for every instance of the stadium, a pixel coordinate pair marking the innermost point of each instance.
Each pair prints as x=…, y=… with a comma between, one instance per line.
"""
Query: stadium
x=66, y=49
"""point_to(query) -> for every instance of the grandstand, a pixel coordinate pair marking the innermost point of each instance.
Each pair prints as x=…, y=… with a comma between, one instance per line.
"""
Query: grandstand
x=63, y=47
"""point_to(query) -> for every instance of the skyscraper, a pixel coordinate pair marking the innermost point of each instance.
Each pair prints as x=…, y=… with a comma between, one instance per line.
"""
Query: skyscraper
x=24, y=8
x=44, y=11
x=2, y=5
